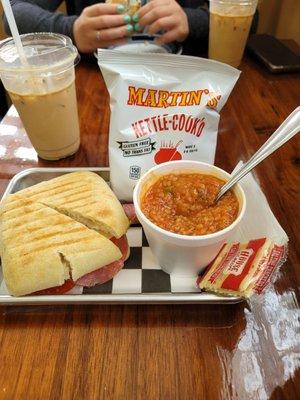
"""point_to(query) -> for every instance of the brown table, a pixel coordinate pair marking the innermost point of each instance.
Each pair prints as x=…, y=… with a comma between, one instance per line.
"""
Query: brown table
x=243, y=351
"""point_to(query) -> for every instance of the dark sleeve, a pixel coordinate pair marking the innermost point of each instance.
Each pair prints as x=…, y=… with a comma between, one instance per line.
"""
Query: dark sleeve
x=198, y=22
x=197, y=41
x=40, y=16
x=197, y=14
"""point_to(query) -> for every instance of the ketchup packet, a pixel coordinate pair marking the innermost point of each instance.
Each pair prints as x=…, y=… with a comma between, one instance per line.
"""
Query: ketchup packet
x=163, y=108
x=243, y=269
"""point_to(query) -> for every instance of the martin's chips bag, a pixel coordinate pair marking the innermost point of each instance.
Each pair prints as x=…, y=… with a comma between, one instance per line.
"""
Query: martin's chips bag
x=163, y=108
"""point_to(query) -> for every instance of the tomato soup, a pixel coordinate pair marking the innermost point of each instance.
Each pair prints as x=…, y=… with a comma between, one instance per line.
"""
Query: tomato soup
x=184, y=204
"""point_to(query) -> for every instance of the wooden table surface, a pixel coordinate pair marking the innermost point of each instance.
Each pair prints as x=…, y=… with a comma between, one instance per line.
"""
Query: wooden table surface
x=244, y=351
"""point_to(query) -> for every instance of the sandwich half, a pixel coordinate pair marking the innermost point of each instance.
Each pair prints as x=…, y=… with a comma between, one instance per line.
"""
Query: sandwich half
x=83, y=196
x=68, y=231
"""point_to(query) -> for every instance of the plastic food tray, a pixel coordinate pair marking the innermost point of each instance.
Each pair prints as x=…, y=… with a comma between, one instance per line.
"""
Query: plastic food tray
x=146, y=283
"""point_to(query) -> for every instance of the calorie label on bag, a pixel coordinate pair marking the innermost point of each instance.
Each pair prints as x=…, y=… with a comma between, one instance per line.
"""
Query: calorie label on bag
x=163, y=108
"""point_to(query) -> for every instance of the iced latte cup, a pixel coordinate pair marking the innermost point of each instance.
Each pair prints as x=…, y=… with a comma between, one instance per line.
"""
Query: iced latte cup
x=229, y=26
x=43, y=91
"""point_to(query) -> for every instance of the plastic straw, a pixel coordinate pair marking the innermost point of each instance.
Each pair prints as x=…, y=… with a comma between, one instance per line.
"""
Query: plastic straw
x=14, y=30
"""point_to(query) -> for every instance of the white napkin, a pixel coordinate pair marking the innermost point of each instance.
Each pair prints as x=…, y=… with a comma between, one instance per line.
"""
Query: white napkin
x=259, y=220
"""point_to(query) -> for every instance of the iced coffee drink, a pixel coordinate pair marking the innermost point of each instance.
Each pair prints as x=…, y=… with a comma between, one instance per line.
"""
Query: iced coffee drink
x=50, y=119
x=43, y=92
x=230, y=23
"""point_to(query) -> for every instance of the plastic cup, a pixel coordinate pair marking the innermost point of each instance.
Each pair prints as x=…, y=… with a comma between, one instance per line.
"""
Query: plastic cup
x=182, y=254
x=229, y=26
x=44, y=91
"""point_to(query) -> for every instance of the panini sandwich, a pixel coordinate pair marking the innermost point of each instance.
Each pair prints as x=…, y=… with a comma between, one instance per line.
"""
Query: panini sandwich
x=68, y=231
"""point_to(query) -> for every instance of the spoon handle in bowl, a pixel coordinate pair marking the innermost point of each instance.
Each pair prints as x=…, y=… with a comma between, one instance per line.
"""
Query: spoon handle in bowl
x=289, y=128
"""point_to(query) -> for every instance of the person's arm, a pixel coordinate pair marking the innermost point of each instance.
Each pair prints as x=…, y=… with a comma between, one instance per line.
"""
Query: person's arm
x=98, y=25
x=197, y=41
x=198, y=19
x=40, y=16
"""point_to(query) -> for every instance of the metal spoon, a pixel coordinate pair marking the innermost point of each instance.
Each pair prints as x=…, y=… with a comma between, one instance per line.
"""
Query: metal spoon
x=289, y=128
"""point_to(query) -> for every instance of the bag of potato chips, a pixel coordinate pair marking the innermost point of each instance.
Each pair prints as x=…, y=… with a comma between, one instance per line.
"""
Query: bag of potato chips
x=163, y=108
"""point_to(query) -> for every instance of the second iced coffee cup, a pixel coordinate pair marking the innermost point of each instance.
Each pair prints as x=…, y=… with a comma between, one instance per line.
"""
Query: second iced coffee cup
x=43, y=91
x=229, y=26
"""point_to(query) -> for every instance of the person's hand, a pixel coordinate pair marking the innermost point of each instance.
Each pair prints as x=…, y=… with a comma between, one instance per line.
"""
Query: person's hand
x=101, y=25
x=166, y=16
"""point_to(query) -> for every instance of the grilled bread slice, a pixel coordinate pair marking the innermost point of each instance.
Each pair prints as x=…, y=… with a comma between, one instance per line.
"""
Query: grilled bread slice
x=83, y=196
x=41, y=248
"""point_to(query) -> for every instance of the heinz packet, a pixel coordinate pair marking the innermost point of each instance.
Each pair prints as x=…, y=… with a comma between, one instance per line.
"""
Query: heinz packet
x=163, y=108
x=244, y=269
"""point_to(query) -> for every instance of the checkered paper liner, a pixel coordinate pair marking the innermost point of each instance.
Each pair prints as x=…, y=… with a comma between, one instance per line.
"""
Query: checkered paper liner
x=141, y=274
